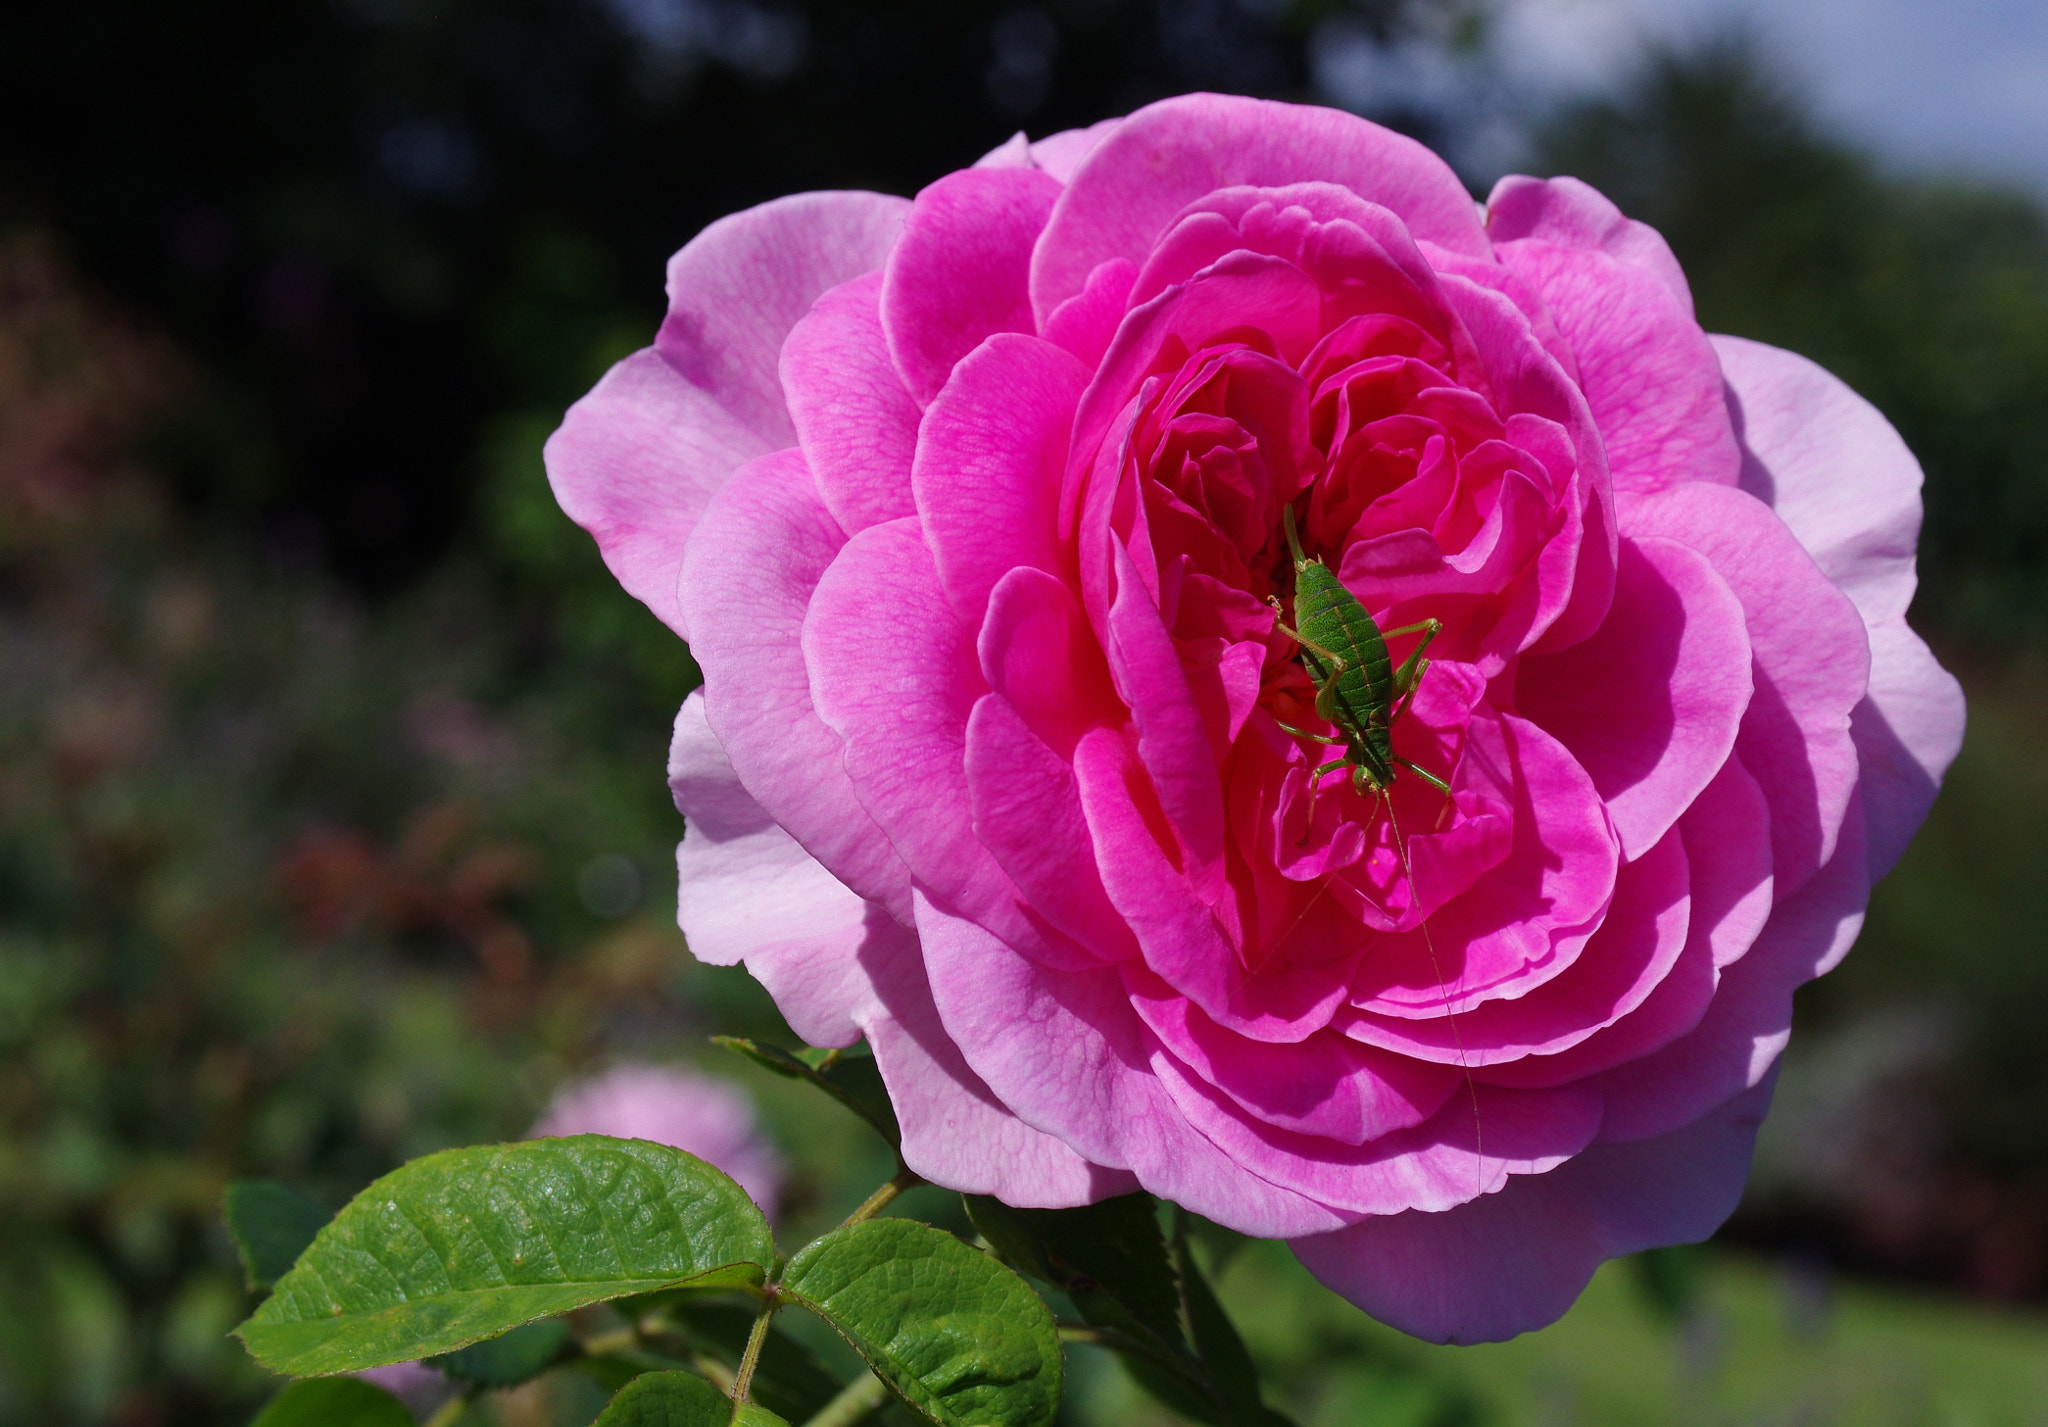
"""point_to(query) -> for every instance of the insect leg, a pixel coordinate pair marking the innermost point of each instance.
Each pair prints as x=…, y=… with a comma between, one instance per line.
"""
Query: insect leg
x=1337, y=662
x=1315, y=786
x=1304, y=733
x=1410, y=673
x=1425, y=775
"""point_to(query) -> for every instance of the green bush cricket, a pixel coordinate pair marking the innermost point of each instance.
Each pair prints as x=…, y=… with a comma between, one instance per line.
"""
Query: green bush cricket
x=1361, y=693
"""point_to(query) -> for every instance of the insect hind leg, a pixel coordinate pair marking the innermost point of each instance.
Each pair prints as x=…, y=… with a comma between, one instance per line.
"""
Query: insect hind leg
x=1315, y=786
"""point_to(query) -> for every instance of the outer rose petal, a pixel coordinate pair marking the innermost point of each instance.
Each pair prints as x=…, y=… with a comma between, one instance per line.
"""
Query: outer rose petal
x=955, y=1132
x=1513, y=1261
x=749, y=583
x=750, y=893
x=1750, y=1018
x=1171, y=153
x=1838, y=474
x=1811, y=663
x=637, y=460
x=839, y=969
x=1648, y=371
x=736, y=289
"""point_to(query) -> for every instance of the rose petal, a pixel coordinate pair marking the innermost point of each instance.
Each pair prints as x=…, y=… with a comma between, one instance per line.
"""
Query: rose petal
x=1065, y=1052
x=1738, y=1040
x=1651, y=704
x=750, y=893
x=636, y=461
x=1636, y=946
x=961, y=271
x=1728, y=849
x=1515, y=1261
x=1569, y=213
x=748, y=585
x=896, y=676
x=955, y=1132
x=736, y=289
x=1165, y=156
x=1648, y=371
x=1838, y=474
x=1811, y=663
x=990, y=461
x=855, y=422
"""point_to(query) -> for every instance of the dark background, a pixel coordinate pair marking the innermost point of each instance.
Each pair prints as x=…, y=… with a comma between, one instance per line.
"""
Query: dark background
x=331, y=820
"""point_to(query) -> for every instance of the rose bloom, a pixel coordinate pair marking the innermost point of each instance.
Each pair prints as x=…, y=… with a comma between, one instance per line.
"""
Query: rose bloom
x=970, y=510
x=711, y=1119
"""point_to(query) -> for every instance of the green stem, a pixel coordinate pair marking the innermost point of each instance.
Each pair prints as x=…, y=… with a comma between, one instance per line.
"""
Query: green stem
x=743, y=1381
x=878, y=1201
x=855, y=1401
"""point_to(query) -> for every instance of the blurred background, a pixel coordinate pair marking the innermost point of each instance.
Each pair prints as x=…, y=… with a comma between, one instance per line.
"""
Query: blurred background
x=332, y=820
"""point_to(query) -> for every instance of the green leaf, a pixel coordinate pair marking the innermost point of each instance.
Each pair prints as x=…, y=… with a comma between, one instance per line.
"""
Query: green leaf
x=271, y=1224
x=508, y=1359
x=333, y=1402
x=850, y=1078
x=753, y=1414
x=788, y=1377
x=466, y=1244
x=667, y=1399
x=1222, y=1351
x=952, y=1332
x=1111, y=1259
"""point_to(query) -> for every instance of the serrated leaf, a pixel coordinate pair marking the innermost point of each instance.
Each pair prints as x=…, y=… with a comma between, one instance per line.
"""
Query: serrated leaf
x=950, y=1331
x=667, y=1399
x=271, y=1224
x=466, y=1244
x=853, y=1080
x=508, y=1359
x=333, y=1402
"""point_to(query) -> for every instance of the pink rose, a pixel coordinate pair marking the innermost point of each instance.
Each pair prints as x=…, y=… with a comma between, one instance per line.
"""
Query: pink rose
x=711, y=1119
x=970, y=508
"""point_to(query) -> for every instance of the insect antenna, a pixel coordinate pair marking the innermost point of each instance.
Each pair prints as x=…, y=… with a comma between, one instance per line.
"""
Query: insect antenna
x=1443, y=990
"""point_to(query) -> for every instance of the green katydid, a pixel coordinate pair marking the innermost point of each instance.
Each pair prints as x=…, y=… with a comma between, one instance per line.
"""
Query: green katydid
x=1361, y=693
x=1357, y=688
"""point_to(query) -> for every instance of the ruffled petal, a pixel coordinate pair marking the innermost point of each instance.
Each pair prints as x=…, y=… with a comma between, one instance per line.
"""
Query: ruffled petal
x=1648, y=371
x=955, y=1132
x=737, y=288
x=1167, y=155
x=1514, y=1261
x=1065, y=1051
x=750, y=893
x=1750, y=1018
x=855, y=422
x=635, y=463
x=1810, y=663
x=960, y=274
x=1569, y=213
x=1652, y=703
x=748, y=585
x=1838, y=474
